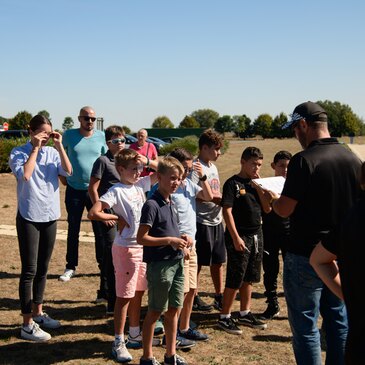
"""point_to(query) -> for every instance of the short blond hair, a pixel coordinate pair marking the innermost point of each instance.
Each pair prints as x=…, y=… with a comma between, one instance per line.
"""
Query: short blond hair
x=169, y=163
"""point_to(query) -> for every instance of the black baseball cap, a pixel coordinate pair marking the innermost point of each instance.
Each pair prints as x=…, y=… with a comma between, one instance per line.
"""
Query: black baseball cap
x=309, y=111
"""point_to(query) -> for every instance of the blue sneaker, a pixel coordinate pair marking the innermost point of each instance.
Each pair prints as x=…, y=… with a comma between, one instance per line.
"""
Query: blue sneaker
x=194, y=335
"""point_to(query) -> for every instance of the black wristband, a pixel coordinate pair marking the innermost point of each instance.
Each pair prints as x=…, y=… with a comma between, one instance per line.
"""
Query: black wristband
x=203, y=178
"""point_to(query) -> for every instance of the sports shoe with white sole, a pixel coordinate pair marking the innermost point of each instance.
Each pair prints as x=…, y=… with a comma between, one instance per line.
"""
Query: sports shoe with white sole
x=45, y=321
x=67, y=275
x=250, y=320
x=136, y=342
x=34, y=333
x=120, y=352
x=229, y=325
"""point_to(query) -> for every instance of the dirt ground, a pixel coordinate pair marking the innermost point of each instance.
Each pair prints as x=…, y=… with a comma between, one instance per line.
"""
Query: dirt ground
x=86, y=333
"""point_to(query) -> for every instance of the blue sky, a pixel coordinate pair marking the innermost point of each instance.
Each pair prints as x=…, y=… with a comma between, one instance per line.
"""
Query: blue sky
x=135, y=60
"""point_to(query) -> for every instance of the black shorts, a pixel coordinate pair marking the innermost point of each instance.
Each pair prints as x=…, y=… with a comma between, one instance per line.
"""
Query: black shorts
x=244, y=266
x=210, y=247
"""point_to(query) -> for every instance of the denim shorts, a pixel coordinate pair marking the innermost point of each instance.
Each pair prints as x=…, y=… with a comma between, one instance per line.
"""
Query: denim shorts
x=165, y=284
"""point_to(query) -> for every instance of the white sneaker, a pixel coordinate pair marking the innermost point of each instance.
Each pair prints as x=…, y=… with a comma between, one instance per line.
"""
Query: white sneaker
x=67, y=275
x=120, y=352
x=34, y=333
x=44, y=320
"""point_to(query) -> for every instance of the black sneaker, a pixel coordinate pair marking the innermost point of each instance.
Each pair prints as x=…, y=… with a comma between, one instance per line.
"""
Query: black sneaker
x=194, y=335
x=250, y=320
x=218, y=302
x=229, y=325
x=174, y=360
x=272, y=311
x=200, y=305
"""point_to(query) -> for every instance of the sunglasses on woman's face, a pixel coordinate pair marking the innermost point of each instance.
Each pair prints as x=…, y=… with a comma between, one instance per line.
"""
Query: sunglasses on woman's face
x=117, y=140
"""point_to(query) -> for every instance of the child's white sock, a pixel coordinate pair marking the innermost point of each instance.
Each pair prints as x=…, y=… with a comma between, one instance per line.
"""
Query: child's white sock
x=119, y=337
x=244, y=313
x=223, y=316
x=134, y=331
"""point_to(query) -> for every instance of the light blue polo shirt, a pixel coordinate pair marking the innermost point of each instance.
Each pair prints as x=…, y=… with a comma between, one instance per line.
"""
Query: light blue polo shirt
x=83, y=152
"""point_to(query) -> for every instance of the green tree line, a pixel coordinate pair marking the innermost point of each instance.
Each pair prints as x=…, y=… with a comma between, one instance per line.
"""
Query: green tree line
x=342, y=121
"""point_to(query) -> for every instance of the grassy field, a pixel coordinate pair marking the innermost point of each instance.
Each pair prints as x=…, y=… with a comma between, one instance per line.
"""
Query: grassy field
x=87, y=333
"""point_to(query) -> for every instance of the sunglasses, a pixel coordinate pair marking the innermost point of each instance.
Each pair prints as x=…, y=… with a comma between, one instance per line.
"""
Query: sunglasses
x=93, y=119
x=117, y=140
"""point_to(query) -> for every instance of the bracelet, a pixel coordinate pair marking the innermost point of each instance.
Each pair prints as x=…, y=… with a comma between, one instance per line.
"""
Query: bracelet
x=148, y=161
x=203, y=178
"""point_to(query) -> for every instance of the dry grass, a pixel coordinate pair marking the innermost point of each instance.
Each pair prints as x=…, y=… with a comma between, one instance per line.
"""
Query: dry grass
x=87, y=333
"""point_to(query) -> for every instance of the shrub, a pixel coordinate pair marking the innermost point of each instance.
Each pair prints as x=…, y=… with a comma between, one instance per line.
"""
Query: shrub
x=190, y=143
x=6, y=145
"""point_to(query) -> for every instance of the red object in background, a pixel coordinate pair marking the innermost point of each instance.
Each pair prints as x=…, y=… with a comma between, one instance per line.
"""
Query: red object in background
x=6, y=126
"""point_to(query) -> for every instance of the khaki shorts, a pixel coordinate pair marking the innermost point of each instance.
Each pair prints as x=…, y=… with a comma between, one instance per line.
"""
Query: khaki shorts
x=191, y=271
x=165, y=284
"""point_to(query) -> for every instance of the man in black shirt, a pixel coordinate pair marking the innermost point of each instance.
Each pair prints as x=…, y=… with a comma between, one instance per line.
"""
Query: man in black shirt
x=320, y=187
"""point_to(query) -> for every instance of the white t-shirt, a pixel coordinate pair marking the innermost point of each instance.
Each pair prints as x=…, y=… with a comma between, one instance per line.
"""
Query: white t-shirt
x=127, y=202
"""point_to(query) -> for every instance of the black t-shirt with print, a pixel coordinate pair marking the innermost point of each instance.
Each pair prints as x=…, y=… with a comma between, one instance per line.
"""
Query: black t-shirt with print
x=244, y=201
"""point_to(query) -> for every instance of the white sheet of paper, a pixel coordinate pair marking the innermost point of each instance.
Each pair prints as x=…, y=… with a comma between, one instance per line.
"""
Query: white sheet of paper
x=274, y=184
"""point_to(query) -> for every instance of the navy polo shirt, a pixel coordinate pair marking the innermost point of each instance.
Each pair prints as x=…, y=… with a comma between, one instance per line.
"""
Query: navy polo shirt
x=160, y=215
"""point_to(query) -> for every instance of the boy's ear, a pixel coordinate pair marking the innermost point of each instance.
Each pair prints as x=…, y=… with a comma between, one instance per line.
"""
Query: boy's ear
x=273, y=165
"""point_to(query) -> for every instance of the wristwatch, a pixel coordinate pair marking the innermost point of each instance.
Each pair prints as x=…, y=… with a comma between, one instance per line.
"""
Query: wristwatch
x=203, y=178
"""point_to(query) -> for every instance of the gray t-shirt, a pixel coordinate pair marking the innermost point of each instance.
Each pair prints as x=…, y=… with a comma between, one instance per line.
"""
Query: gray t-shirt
x=209, y=213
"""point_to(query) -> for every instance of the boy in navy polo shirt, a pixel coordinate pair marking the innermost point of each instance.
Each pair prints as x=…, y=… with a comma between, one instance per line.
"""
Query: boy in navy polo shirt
x=242, y=206
x=162, y=251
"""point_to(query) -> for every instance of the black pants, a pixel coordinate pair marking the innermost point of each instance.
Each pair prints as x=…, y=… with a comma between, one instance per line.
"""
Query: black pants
x=273, y=244
x=36, y=242
x=76, y=201
x=107, y=280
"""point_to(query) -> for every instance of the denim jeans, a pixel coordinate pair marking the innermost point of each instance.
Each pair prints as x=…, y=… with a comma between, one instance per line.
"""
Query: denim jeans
x=76, y=201
x=36, y=242
x=307, y=297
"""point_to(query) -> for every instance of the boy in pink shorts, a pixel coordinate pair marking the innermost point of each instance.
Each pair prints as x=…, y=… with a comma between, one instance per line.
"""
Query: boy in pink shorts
x=126, y=200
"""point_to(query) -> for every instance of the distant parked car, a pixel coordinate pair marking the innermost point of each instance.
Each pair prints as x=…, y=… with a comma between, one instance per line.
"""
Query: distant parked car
x=14, y=133
x=129, y=139
x=170, y=139
x=157, y=142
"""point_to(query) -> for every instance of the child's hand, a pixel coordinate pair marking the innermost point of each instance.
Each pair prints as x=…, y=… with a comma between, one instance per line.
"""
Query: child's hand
x=177, y=243
x=122, y=224
x=186, y=252
x=188, y=239
x=110, y=223
x=239, y=245
x=198, y=168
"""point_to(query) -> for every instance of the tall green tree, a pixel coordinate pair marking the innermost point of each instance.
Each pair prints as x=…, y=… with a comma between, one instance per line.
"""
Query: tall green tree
x=242, y=125
x=162, y=122
x=341, y=119
x=262, y=125
x=205, y=117
x=189, y=122
x=68, y=123
x=45, y=114
x=21, y=120
x=277, y=124
x=224, y=124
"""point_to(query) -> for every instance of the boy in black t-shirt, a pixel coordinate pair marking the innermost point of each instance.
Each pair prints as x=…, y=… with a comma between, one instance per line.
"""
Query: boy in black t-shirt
x=276, y=232
x=242, y=206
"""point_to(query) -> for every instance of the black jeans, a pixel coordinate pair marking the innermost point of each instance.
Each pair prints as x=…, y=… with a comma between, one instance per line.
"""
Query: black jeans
x=273, y=244
x=76, y=201
x=36, y=242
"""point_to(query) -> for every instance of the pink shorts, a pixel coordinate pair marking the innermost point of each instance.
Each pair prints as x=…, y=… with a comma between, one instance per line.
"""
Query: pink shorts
x=130, y=271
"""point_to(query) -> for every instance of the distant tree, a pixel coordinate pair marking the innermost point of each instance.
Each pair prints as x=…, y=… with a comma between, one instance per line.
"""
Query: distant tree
x=68, y=123
x=127, y=130
x=241, y=125
x=224, y=124
x=162, y=122
x=262, y=125
x=205, y=117
x=20, y=121
x=189, y=122
x=341, y=119
x=277, y=124
x=45, y=114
